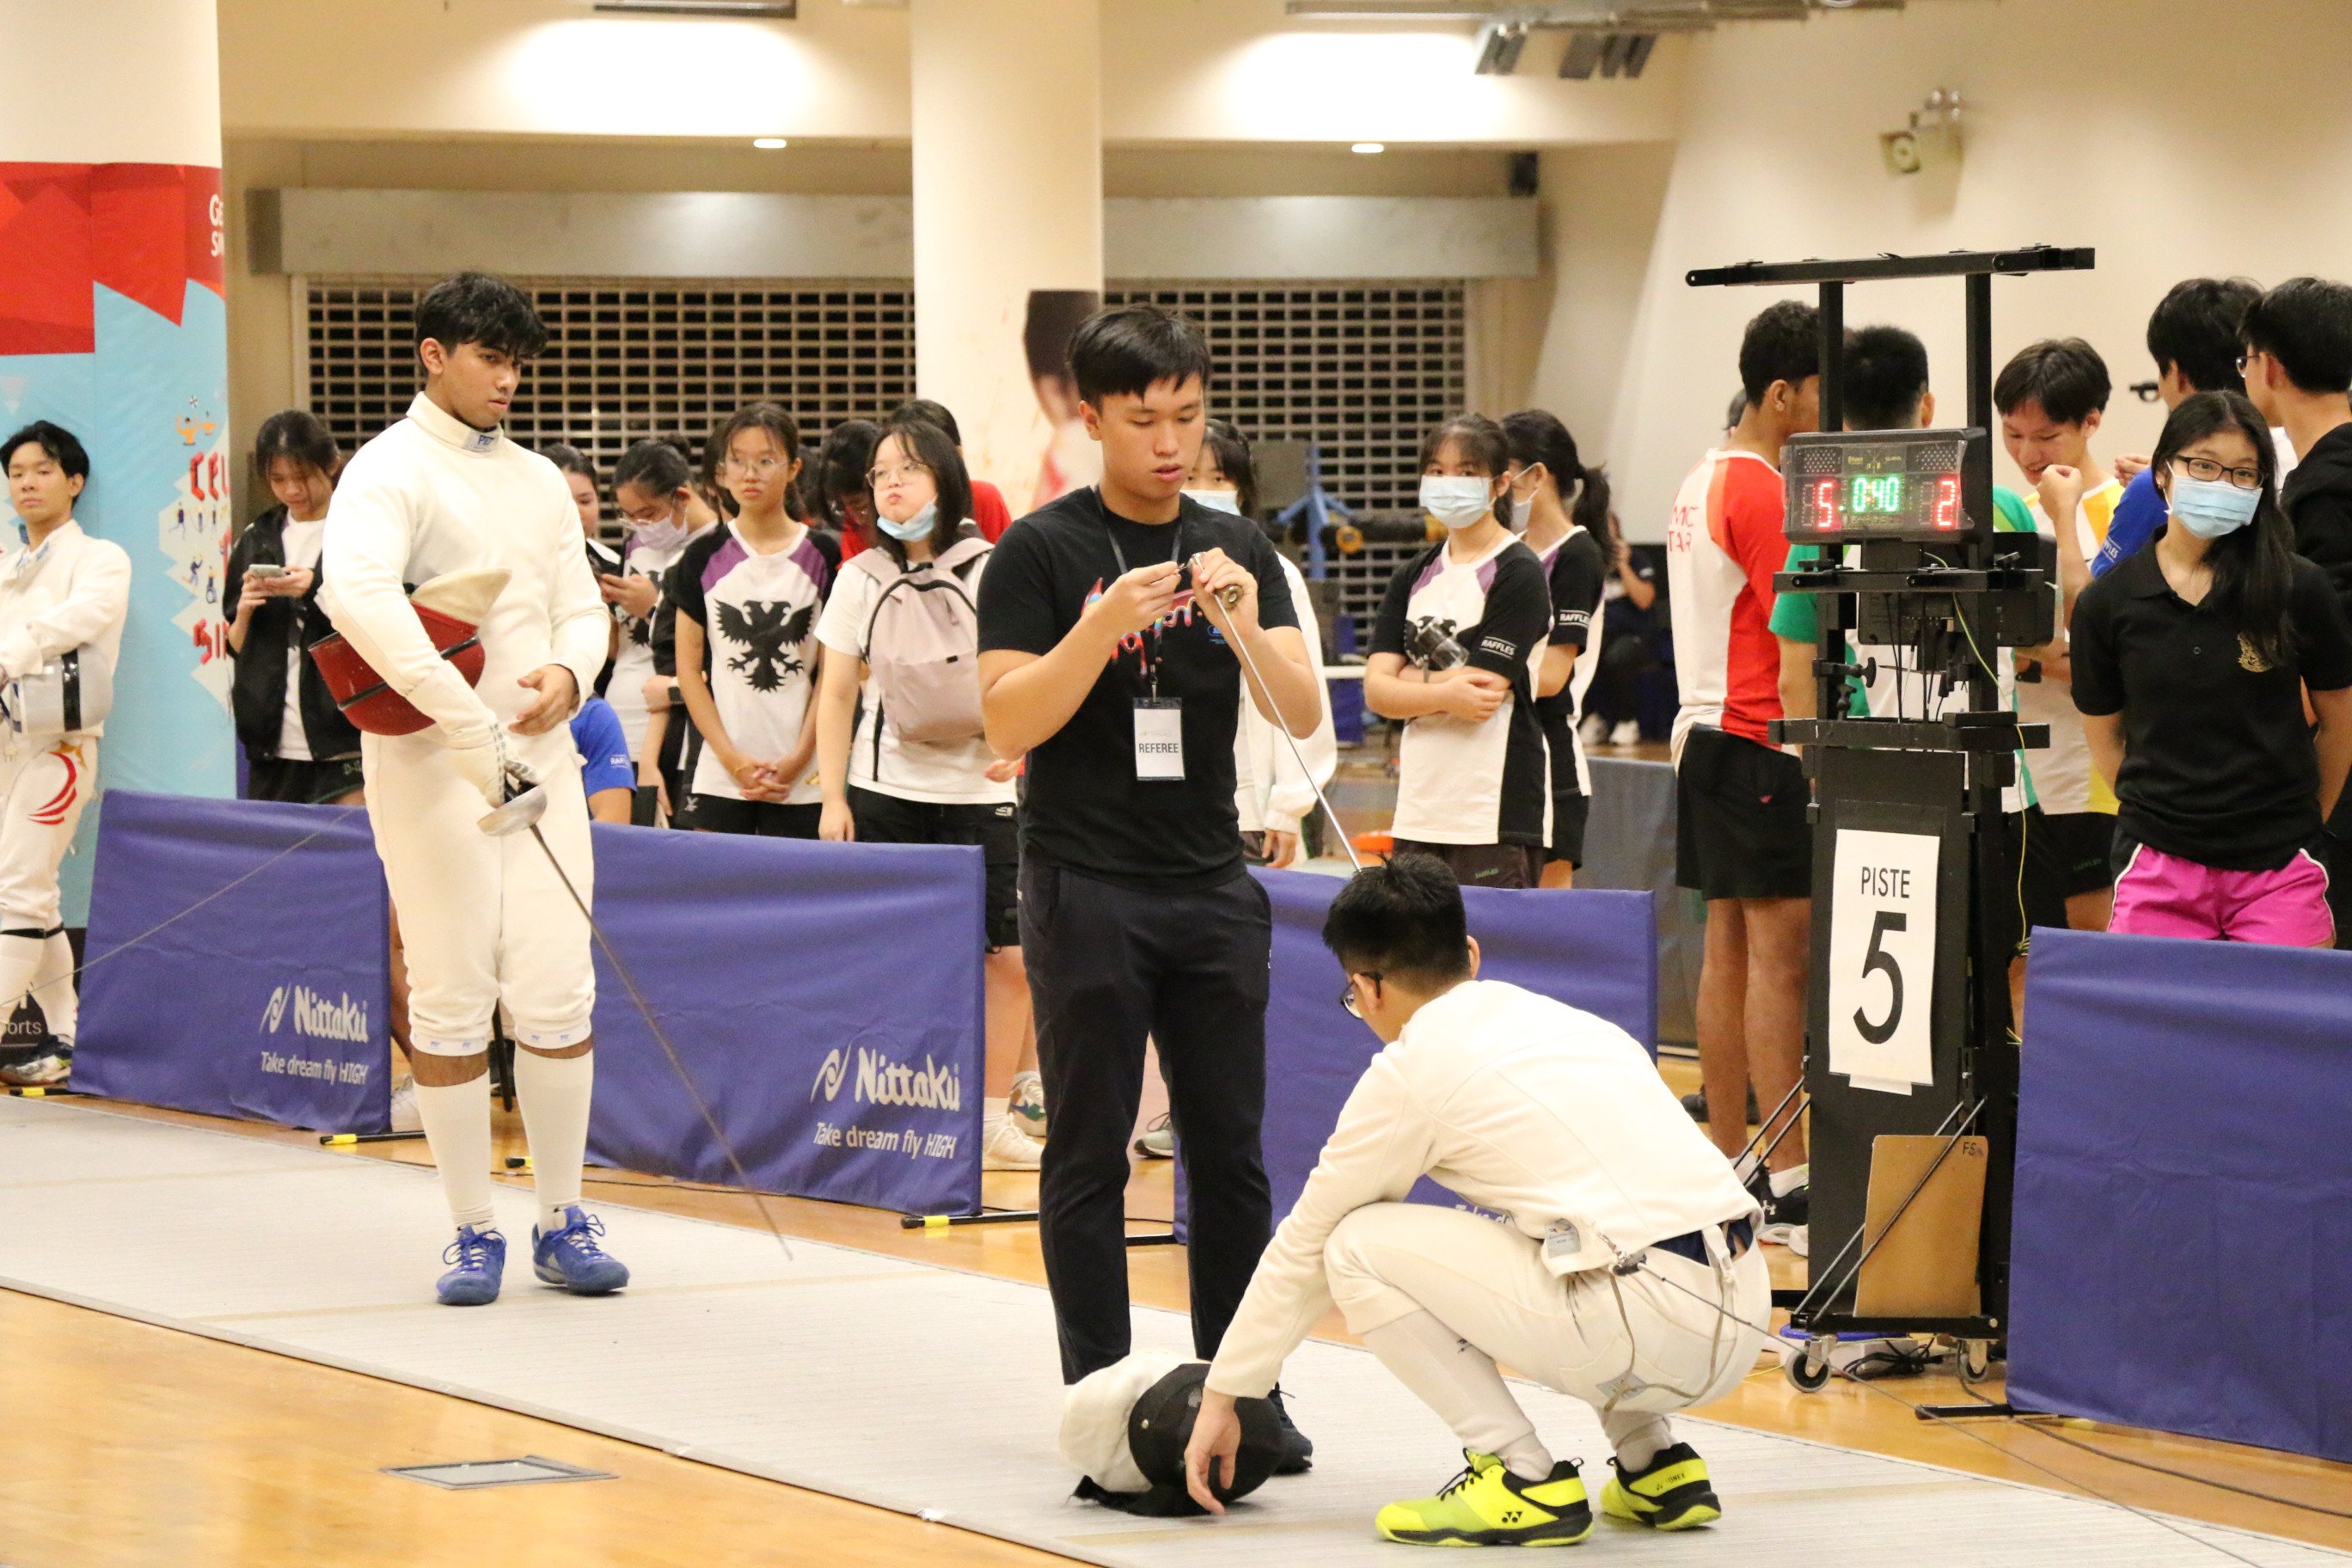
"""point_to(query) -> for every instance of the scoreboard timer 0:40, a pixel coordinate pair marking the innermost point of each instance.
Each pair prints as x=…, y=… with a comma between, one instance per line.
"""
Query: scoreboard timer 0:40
x=1903, y=485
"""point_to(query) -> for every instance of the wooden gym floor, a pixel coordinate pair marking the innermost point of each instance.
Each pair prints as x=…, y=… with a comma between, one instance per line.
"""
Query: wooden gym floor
x=126, y=1445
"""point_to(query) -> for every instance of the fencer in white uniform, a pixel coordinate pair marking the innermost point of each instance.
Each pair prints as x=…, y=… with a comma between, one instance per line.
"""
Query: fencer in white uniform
x=63, y=598
x=486, y=922
x=1624, y=1272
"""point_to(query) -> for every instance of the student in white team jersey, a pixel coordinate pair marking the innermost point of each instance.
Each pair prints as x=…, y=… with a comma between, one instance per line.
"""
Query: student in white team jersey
x=1454, y=652
x=1576, y=548
x=748, y=596
x=902, y=627
x=1273, y=794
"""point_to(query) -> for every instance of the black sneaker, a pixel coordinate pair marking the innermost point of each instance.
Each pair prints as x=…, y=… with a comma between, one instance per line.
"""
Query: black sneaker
x=1298, y=1449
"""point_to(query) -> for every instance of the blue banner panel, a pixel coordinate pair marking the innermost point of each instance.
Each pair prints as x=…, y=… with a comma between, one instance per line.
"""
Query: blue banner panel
x=825, y=999
x=238, y=962
x=1593, y=950
x=2183, y=1241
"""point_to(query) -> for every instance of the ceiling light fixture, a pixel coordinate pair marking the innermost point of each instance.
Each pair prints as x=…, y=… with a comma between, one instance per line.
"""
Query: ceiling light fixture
x=770, y=143
x=764, y=10
x=1368, y=148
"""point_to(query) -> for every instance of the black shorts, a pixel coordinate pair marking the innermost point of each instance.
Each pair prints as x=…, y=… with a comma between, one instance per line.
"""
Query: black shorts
x=755, y=818
x=1569, y=810
x=887, y=819
x=1483, y=865
x=2064, y=855
x=1740, y=830
x=298, y=780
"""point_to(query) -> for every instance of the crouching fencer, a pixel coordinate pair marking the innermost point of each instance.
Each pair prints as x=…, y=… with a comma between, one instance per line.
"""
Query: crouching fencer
x=488, y=532
x=1624, y=1274
x=63, y=596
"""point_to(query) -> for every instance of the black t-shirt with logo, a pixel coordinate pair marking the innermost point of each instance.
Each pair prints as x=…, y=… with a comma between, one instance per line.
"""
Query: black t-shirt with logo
x=1086, y=810
x=2219, y=766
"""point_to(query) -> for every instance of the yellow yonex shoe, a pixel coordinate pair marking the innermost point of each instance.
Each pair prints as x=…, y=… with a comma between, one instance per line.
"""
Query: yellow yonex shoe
x=1486, y=1505
x=1672, y=1494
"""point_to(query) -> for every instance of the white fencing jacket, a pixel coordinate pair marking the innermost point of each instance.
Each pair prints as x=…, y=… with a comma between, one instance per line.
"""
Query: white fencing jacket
x=1270, y=791
x=1521, y=1105
x=432, y=495
x=73, y=590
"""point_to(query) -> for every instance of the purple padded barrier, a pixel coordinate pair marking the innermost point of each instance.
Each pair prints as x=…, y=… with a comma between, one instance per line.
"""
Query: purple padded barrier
x=1594, y=950
x=270, y=1001
x=2183, y=1244
x=826, y=999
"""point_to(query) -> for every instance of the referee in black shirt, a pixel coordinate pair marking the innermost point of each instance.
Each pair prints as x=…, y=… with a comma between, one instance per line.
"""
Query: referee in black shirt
x=1115, y=674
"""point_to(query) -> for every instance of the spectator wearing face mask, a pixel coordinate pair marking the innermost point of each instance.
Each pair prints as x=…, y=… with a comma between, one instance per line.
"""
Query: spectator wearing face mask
x=654, y=488
x=902, y=627
x=1454, y=652
x=989, y=512
x=1575, y=550
x=2191, y=661
x=1273, y=794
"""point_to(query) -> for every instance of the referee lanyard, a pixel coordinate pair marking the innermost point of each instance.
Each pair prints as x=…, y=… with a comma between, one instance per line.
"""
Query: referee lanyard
x=1158, y=723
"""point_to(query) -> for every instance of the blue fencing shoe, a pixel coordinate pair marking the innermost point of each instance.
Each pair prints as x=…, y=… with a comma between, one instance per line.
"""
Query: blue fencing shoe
x=480, y=1256
x=572, y=1259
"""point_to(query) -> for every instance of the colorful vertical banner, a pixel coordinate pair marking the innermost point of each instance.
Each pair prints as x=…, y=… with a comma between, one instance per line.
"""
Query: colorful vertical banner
x=113, y=324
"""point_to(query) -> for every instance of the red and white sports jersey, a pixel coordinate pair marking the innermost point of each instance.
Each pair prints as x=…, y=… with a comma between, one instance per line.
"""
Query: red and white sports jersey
x=1722, y=547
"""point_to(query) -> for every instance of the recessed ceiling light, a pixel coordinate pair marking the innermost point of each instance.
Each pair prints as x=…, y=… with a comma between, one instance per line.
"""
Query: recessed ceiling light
x=1369, y=147
x=769, y=143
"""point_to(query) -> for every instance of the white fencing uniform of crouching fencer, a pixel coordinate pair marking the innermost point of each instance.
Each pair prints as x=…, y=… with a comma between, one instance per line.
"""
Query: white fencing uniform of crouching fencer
x=1558, y=1120
x=67, y=595
x=484, y=920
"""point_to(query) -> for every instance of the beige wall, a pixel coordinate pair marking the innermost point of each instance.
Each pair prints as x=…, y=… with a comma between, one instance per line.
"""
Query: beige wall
x=2177, y=137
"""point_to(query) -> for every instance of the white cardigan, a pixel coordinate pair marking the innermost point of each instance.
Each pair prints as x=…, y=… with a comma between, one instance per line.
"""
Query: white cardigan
x=1270, y=792
x=71, y=592
x=1520, y=1104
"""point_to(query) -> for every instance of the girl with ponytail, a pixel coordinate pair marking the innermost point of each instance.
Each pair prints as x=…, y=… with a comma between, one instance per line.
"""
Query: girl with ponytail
x=1576, y=545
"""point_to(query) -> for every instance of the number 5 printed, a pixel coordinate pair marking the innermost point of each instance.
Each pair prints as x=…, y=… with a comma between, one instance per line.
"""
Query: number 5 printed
x=1876, y=960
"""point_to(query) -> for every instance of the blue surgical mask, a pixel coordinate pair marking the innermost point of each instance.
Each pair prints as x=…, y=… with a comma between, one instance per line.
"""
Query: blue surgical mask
x=2211, y=508
x=1218, y=501
x=1457, y=501
x=915, y=527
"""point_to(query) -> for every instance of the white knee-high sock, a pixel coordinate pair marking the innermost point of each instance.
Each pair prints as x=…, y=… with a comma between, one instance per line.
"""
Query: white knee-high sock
x=53, y=987
x=554, y=1092
x=1458, y=1381
x=457, y=1120
x=1638, y=1439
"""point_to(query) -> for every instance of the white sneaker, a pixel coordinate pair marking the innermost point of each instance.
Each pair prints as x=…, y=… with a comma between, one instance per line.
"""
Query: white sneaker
x=1027, y=1108
x=1158, y=1142
x=1010, y=1149
x=39, y=1073
x=405, y=1118
x=1629, y=733
x=1595, y=731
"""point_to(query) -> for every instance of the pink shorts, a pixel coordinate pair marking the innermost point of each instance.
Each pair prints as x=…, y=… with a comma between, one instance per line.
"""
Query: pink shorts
x=2164, y=895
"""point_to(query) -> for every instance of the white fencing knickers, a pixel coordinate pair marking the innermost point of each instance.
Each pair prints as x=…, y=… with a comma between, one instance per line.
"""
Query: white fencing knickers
x=1633, y=1347
x=42, y=793
x=484, y=921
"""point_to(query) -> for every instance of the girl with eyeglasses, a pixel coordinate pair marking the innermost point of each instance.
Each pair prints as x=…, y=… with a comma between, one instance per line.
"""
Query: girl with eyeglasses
x=902, y=629
x=2213, y=672
x=747, y=597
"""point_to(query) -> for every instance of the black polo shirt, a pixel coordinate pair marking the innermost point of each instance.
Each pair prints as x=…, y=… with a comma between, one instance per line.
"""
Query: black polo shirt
x=2218, y=765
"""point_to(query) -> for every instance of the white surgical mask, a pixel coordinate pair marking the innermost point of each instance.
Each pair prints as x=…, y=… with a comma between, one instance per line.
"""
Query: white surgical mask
x=914, y=527
x=1456, y=500
x=667, y=534
x=1218, y=501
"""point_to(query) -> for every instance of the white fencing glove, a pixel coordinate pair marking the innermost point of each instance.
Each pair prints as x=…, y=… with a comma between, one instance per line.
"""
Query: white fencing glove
x=486, y=764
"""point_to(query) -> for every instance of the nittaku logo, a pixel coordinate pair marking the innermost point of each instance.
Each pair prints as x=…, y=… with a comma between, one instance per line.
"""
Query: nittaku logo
x=881, y=1082
x=342, y=1019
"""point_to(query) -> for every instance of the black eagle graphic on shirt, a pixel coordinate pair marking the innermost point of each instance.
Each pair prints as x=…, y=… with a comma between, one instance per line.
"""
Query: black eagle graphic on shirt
x=766, y=632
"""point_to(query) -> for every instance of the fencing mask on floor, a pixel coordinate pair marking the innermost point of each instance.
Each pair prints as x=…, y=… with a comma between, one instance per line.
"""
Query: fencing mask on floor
x=1125, y=1429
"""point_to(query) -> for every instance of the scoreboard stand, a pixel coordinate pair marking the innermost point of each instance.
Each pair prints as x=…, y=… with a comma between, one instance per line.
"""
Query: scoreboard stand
x=1907, y=1026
